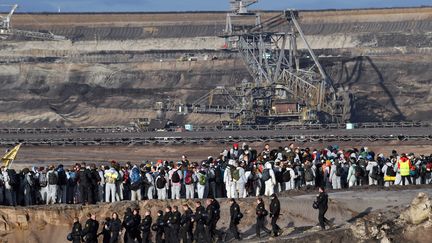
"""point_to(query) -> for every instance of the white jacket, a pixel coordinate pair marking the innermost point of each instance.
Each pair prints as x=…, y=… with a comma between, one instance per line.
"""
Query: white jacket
x=272, y=174
x=243, y=178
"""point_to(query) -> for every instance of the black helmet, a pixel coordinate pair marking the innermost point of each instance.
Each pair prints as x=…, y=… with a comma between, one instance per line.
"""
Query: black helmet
x=69, y=237
x=240, y=215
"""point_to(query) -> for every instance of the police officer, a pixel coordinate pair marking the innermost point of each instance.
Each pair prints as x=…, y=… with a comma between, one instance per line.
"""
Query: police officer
x=167, y=225
x=261, y=213
x=90, y=229
x=115, y=228
x=216, y=215
x=274, y=214
x=135, y=232
x=175, y=222
x=210, y=219
x=76, y=231
x=127, y=224
x=236, y=216
x=321, y=204
x=145, y=227
x=200, y=219
x=159, y=227
x=186, y=224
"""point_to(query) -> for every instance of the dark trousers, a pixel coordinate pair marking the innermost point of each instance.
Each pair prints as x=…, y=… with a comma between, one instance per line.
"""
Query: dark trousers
x=201, y=233
x=275, y=227
x=408, y=178
x=168, y=234
x=321, y=217
x=159, y=236
x=175, y=233
x=146, y=237
x=115, y=237
x=84, y=193
x=260, y=226
x=186, y=233
x=233, y=229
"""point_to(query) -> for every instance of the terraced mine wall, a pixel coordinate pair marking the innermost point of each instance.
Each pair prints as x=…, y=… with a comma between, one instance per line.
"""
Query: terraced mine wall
x=113, y=67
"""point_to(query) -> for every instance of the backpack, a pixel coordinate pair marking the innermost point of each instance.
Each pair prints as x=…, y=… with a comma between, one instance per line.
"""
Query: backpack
x=286, y=176
x=235, y=174
x=52, y=178
x=175, y=178
x=390, y=171
x=359, y=172
x=338, y=170
x=266, y=175
x=160, y=182
x=279, y=175
x=188, y=178
x=309, y=176
x=413, y=172
x=12, y=177
x=43, y=181
x=62, y=179
x=218, y=175
x=135, y=176
x=202, y=179
x=375, y=173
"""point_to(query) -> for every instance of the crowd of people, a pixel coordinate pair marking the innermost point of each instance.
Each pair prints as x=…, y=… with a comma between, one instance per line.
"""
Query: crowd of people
x=241, y=170
x=172, y=226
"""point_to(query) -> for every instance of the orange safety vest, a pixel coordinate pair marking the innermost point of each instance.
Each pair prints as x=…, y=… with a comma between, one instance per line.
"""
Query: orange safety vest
x=404, y=168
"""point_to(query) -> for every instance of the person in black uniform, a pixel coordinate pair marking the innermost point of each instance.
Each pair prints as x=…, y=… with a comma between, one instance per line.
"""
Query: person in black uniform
x=90, y=229
x=106, y=233
x=135, y=232
x=115, y=226
x=76, y=233
x=186, y=224
x=145, y=227
x=236, y=216
x=159, y=227
x=261, y=213
x=175, y=222
x=274, y=215
x=167, y=225
x=201, y=218
x=216, y=215
x=83, y=178
x=94, y=183
x=210, y=219
x=321, y=204
x=127, y=224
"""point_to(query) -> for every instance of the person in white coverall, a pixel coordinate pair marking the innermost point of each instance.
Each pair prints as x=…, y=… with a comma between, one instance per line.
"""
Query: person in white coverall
x=335, y=179
x=228, y=180
x=241, y=183
x=270, y=183
x=369, y=168
x=290, y=185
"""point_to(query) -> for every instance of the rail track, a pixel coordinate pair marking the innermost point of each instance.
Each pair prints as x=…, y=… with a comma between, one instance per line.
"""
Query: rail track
x=111, y=136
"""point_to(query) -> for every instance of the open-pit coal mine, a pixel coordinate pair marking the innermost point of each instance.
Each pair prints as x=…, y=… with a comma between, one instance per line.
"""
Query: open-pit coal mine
x=79, y=99
x=112, y=68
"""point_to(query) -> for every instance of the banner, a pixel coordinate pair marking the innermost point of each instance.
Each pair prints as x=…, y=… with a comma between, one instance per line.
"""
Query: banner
x=10, y=156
